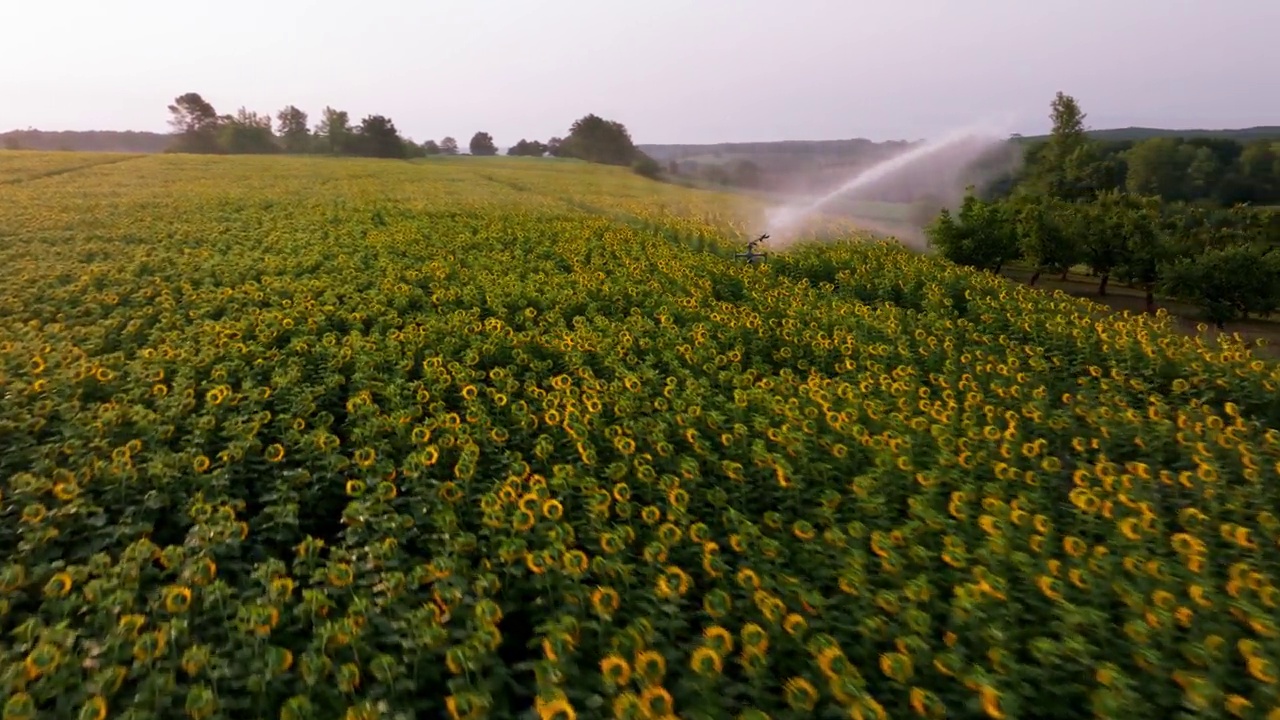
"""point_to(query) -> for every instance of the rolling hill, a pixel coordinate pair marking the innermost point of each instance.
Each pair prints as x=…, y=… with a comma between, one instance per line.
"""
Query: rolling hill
x=1135, y=134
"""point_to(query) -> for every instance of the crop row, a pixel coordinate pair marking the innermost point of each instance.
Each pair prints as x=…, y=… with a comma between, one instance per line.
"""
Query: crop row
x=289, y=438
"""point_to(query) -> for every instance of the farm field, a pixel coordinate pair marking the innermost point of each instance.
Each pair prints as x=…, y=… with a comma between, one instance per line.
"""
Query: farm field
x=310, y=437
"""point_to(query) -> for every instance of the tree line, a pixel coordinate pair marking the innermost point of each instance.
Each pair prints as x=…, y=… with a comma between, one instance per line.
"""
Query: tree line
x=199, y=128
x=1068, y=209
x=1209, y=171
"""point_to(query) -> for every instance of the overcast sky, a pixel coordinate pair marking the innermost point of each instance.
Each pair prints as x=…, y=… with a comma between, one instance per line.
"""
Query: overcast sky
x=673, y=71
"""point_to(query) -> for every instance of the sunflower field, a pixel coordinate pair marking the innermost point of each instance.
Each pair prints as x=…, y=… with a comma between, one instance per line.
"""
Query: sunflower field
x=316, y=438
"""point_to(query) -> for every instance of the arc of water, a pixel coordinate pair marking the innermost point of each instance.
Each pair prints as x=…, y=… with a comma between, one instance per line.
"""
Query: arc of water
x=783, y=220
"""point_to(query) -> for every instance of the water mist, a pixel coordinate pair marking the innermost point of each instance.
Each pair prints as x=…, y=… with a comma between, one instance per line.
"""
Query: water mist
x=785, y=223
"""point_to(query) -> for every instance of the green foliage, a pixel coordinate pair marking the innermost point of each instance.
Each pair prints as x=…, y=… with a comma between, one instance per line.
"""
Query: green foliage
x=348, y=439
x=1069, y=165
x=1146, y=250
x=1044, y=228
x=378, y=137
x=594, y=139
x=1229, y=282
x=482, y=144
x=1074, y=164
x=295, y=135
x=431, y=147
x=448, y=146
x=1218, y=259
x=334, y=131
x=199, y=129
x=195, y=123
x=246, y=133
x=528, y=148
x=646, y=166
x=412, y=149
x=1134, y=134
x=980, y=235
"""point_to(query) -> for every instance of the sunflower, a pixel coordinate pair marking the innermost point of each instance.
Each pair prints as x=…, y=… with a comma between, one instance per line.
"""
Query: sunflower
x=718, y=639
x=627, y=706
x=616, y=671
x=59, y=585
x=717, y=603
x=706, y=662
x=605, y=601
x=177, y=599
x=555, y=709
x=800, y=694
x=656, y=702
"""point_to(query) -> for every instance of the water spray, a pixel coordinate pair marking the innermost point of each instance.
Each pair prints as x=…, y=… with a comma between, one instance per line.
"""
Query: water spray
x=974, y=139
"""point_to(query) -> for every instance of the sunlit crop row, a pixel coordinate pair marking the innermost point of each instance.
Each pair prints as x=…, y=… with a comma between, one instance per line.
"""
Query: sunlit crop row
x=297, y=438
x=16, y=167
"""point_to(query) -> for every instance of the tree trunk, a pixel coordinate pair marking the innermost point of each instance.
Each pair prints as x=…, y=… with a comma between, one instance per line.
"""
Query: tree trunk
x=1151, y=300
x=999, y=267
x=1034, y=277
x=1065, y=273
x=1102, y=286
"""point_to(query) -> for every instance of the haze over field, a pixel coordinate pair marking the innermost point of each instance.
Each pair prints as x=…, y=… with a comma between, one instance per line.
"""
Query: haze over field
x=673, y=71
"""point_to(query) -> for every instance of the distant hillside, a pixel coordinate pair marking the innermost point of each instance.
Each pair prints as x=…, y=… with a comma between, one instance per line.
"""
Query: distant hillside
x=861, y=148
x=856, y=147
x=86, y=141
x=1135, y=134
x=799, y=165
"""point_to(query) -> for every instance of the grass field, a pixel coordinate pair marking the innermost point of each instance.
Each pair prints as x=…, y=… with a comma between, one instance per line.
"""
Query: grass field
x=288, y=437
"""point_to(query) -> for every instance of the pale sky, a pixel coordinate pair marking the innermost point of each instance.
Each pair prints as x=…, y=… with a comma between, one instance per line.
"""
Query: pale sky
x=672, y=71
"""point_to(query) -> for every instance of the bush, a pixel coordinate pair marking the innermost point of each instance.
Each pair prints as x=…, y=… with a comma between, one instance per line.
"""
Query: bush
x=646, y=166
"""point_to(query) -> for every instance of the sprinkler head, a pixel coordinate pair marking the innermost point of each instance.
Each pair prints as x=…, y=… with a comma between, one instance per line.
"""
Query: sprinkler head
x=751, y=255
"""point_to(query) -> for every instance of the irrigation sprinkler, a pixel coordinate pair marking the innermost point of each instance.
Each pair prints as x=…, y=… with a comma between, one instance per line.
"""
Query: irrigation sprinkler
x=751, y=255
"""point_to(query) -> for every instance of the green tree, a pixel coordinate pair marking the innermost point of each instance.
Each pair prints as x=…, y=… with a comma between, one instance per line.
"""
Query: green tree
x=412, y=149
x=527, y=148
x=1146, y=251
x=431, y=147
x=1065, y=139
x=1069, y=165
x=981, y=235
x=1090, y=170
x=482, y=144
x=594, y=139
x=1228, y=282
x=334, y=131
x=1101, y=235
x=1159, y=166
x=1257, y=168
x=1204, y=173
x=448, y=146
x=1044, y=231
x=246, y=132
x=378, y=137
x=195, y=122
x=555, y=147
x=294, y=132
